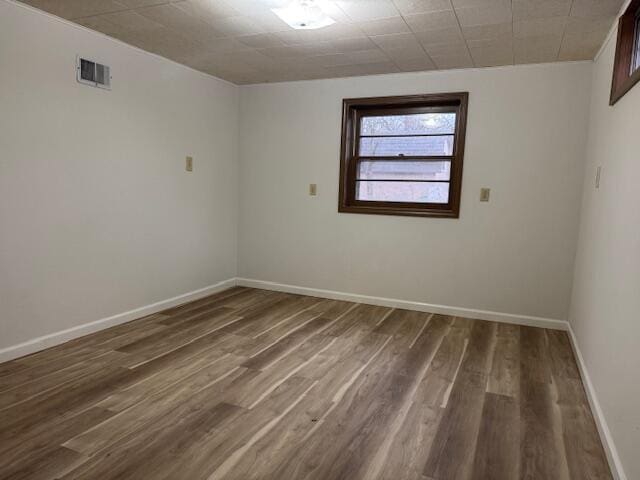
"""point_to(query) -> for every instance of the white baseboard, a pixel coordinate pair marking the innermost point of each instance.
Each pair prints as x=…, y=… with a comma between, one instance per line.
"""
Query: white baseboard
x=53, y=339
x=601, y=423
x=409, y=305
x=62, y=336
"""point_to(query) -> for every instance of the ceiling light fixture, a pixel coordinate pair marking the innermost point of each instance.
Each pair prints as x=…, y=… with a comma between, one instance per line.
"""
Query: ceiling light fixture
x=304, y=15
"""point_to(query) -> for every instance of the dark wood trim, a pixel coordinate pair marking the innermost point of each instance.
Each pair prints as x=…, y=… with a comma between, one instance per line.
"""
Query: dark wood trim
x=410, y=135
x=623, y=77
x=405, y=158
x=407, y=180
x=353, y=109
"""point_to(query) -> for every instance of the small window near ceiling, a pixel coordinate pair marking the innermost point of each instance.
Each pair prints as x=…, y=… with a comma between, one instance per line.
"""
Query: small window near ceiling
x=403, y=155
x=626, y=68
x=636, y=45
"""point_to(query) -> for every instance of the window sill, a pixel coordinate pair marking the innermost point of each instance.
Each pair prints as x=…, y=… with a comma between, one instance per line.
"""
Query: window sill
x=400, y=211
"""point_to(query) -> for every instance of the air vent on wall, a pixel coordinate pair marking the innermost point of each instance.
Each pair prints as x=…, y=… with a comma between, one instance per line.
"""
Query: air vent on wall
x=93, y=73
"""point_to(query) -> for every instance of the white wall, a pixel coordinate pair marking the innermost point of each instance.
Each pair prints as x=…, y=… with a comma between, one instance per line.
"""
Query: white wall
x=97, y=215
x=525, y=140
x=605, y=304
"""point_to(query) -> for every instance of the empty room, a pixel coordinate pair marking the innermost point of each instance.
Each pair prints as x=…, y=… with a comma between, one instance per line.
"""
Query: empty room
x=319, y=239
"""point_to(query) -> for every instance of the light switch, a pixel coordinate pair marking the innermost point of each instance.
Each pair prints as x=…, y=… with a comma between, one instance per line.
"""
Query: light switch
x=313, y=189
x=484, y=194
x=189, y=164
x=598, y=173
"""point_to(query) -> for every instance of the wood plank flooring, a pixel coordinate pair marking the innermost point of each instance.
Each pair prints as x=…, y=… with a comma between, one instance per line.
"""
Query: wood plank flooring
x=250, y=384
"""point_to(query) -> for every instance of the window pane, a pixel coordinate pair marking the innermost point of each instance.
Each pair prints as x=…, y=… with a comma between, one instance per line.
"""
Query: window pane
x=420, y=123
x=635, y=64
x=399, y=170
x=403, y=192
x=410, y=146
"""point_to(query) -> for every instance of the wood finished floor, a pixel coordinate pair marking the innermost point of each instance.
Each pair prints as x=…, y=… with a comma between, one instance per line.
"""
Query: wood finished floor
x=249, y=384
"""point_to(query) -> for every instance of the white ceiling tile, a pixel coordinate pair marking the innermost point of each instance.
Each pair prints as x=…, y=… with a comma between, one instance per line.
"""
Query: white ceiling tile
x=140, y=3
x=314, y=73
x=165, y=42
x=296, y=37
x=412, y=53
x=255, y=7
x=254, y=59
x=226, y=44
x=469, y=16
x=367, y=56
x=206, y=10
x=202, y=33
x=492, y=59
x=246, y=79
x=420, y=64
x=331, y=9
x=537, y=27
x=431, y=21
x=76, y=8
x=384, y=26
x=452, y=61
x=442, y=36
x=495, y=43
x=596, y=8
x=456, y=50
x=100, y=24
x=353, y=44
x=289, y=51
x=172, y=17
x=269, y=22
x=480, y=3
x=396, y=40
x=537, y=49
x=363, y=10
x=131, y=20
x=179, y=21
x=331, y=60
x=411, y=7
x=201, y=60
x=332, y=32
x=340, y=30
x=319, y=48
x=492, y=55
x=378, y=68
x=482, y=32
x=363, y=69
x=579, y=25
x=581, y=46
x=260, y=40
x=232, y=26
x=527, y=9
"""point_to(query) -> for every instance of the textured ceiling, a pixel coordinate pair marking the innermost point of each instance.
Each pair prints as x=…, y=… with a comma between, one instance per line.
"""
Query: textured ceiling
x=243, y=42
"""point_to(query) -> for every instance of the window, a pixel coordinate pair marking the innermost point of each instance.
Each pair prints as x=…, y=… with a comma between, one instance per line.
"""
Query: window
x=626, y=67
x=403, y=155
x=636, y=44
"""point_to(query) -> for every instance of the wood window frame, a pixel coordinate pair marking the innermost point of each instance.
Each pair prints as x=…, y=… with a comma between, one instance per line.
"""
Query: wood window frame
x=627, y=48
x=352, y=109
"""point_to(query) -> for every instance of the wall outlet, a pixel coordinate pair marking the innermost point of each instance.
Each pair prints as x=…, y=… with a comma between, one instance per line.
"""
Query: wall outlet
x=189, y=164
x=313, y=189
x=485, y=193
